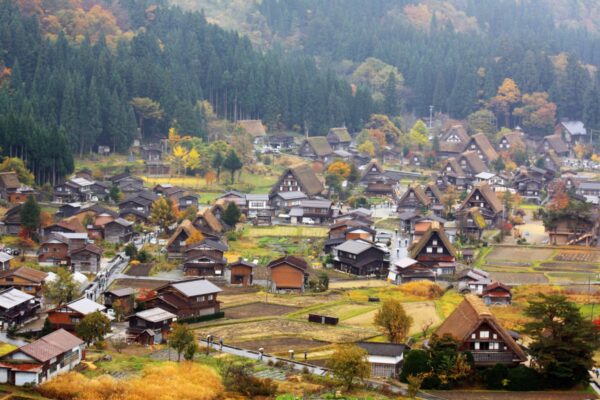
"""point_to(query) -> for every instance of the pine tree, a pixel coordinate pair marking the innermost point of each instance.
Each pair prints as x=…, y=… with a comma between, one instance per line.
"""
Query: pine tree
x=30, y=216
x=390, y=93
x=232, y=163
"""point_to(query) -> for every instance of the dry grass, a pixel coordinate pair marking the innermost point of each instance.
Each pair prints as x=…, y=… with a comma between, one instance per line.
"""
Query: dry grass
x=519, y=254
x=285, y=328
x=359, y=283
x=287, y=231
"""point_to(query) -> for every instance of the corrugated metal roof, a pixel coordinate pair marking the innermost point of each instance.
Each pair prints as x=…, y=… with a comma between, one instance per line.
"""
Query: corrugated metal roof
x=85, y=306
x=13, y=297
x=196, y=287
x=155, y=314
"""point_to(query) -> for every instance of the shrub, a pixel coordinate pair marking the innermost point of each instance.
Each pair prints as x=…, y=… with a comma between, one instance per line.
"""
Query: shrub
x=425, y=289
x=431, y=382
x=494, y=377
x=239, y=378
x=522, y=378
x=415, y=363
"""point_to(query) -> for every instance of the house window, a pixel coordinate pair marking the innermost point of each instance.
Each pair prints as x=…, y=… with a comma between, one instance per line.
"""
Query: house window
x=210, y=297
x=476, y=345
x=495, y=336
x=440, y=250
x=430, y=249
x=434, y=243
x=473, y=336
x=494, y=346
x=484, y=334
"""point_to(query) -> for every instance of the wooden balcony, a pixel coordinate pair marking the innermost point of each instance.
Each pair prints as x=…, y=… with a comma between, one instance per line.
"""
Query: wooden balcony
x=493, y=357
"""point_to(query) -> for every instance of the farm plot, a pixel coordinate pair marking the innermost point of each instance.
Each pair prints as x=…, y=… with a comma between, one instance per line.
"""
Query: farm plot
x=519, y=278
x=287, y=231
x=231, y=300
x=575, y=267
x=278, y=328
x=138, y=283
x=257, y=310
x=280, y=345
x=513, y=254
x=343, y=311
x=577, y=256
x=358, y=283
x=422, y=312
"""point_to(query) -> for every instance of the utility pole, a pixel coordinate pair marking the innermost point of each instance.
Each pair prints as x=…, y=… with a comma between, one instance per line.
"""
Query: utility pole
x=430, y=116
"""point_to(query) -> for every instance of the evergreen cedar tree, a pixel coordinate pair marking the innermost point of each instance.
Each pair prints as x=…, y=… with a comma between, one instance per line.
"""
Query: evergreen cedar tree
x=31, y=216
x=232, y=214
x=64, y=98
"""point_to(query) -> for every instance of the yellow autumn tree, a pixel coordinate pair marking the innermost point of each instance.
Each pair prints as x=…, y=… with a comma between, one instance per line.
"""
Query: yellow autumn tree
x=178, y=158
x=195, y=237
x=186, y=380
x=368, y=148
x=193, y=160
x=340, y=168
x=507, y=96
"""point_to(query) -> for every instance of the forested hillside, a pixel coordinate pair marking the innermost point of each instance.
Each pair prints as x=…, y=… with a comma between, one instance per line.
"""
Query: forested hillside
x=96, y=76
x=452, y=54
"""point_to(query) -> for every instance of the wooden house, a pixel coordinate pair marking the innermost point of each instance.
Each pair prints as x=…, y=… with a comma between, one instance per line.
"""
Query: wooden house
x=54, y=250
x=434, y=250
x=41, y=360
x=512, y=141
x=241, y=272
x=21, y=194
x=376, y=181
x=151, y=326
x=17, y=307
x=570, y=231
x=209, y=225
x=452, y=173
x=478, y=331
x=12, y=220
x=486, y=201
x=288, y=273
x=190, y=298
x=528, y=185
x=86, y=258
x=385, y=359
x=68, y=316
x=318, y=210
x=480, y=144
x=453, y=141
x=177, y=243
x=151, y=152
x=284, y=201
x=205, y=258
x=572, y=132
x=414, y=199
x=118, y=231
x=408, y=270
x=471, y=164
x=362, y=258
x=497, y=293
x=281, y=142
x=316, y=148
x=9, y=183
x=470, y=223
x=155, y=168
x=25, y=279
x=339, y=138
x=554, y=143
x=300, y=178
x=123, y=298
x=187, y=200
x=141, y=202
x=254, y=128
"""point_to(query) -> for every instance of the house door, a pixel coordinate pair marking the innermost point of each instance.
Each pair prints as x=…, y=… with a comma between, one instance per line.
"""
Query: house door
x=157, y=336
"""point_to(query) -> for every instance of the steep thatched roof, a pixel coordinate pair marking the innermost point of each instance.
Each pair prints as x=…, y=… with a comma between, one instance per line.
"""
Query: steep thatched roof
x=435, y=228
x=341, y=134
x=473, y=160
x=254, y=127
x=320, y=145
x=482, y=142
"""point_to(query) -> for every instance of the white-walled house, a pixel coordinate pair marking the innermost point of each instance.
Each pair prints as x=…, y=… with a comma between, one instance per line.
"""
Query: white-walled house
x=386, y=359
x=39, y=361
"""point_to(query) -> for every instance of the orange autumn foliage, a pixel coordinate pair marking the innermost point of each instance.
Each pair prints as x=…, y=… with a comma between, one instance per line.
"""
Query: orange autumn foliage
x=168, y=381
x=340, y=168
x=210, y=177
x=196, y=237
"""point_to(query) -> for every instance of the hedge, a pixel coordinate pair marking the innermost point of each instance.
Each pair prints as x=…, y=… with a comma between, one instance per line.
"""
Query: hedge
x=202, y=318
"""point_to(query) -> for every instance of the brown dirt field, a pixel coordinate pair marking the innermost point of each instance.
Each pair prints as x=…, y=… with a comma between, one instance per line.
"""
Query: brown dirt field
x=519, y=254
x=281, y=345
x=484, y=395
x=139, y=270
x=138, y=283
x=519, y=278
x=560, y=266
x=271, y=329
x=257, y=310
x=283, y=299
x=577, y=256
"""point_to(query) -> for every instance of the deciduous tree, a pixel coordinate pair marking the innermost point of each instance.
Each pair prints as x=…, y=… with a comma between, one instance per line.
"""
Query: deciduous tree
x=162, y=214
x=180, y=339
x=538, y=114
x=506, y=98
x=61, y=290
x=348, y=363
x=93, y=327
x=393, y=320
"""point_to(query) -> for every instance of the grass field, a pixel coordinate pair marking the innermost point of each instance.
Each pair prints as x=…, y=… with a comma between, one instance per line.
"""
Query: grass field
x=286, y=231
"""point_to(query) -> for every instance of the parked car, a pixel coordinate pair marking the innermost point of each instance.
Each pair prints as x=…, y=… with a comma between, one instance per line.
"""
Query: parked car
x=308, y=221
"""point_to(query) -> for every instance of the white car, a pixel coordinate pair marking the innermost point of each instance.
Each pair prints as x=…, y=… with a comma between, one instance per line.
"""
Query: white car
x=308, y=221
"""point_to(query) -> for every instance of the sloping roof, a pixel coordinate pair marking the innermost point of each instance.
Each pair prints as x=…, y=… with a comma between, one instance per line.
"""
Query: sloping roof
x=415, y=248
x=185, y=226
x=485, y=146
x=254, y=127
x=13, y=297
x=454, y=165
x=473, y=160
x=51, y=345
x=514, y=138
x=307, y=178
x=155, y=314
x=341, y=134
x=320, y=145
x=575, y=127
x=291, y=260
x=292, y=195
x=10, y=180
x=458, y=130
x=496, y=285
x=121, y=292
x=210, y=243
x=85, y=306
x=383, y=349
x=469, y=315
x=419, y=193
x=354, y=246
x=5, y=257
x=369, y=167
x=556, y=143
x=196, y=287
x=435, y=190
x=72, y=224
x=88, y=247
x=488, y=194
x=98, y=209
x=213, y=222
x=452, y=147
x=30, y=274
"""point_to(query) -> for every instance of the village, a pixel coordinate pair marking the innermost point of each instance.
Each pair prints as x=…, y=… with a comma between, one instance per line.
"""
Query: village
x=300, y=250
